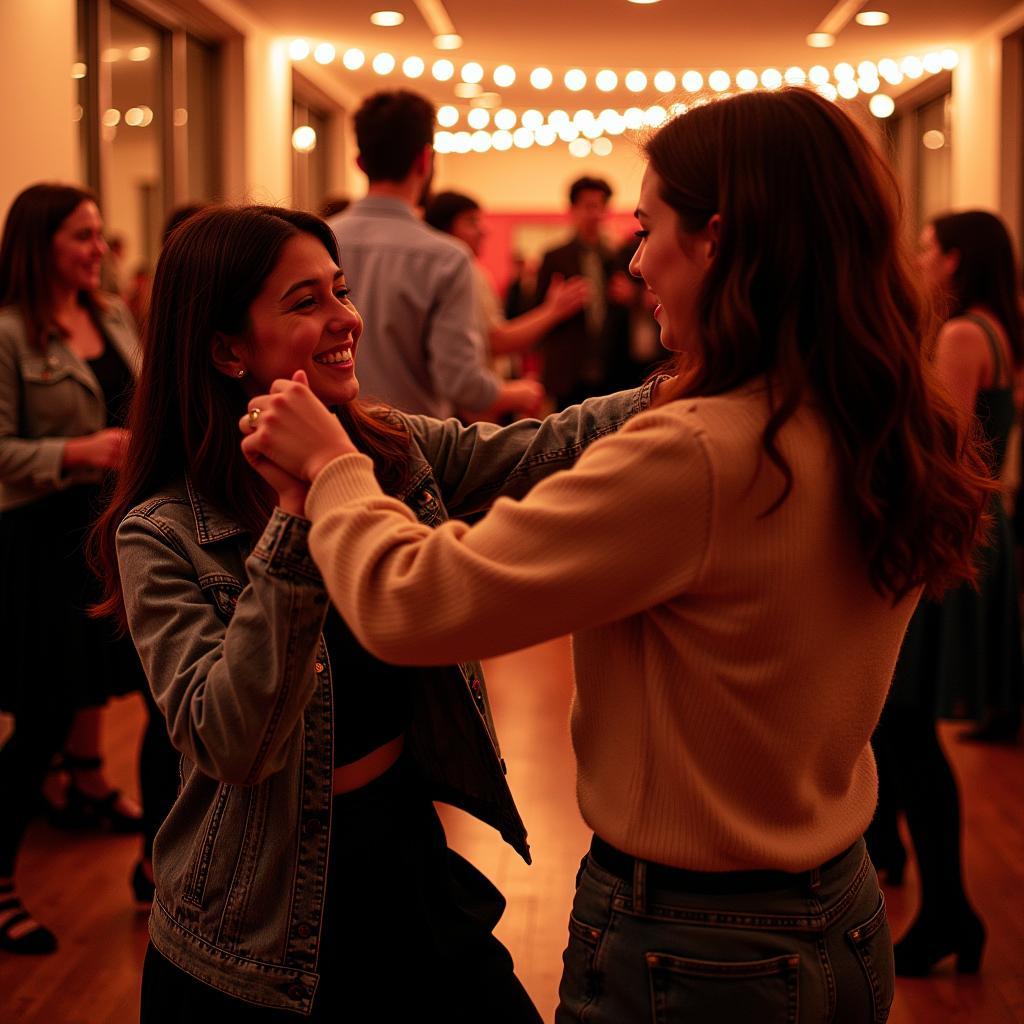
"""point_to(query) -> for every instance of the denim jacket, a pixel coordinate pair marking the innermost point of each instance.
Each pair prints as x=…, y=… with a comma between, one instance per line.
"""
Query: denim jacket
x=230, y=636
x=47, y=397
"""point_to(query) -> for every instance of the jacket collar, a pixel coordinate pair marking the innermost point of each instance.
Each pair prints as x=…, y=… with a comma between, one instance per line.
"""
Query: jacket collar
x=212, y=525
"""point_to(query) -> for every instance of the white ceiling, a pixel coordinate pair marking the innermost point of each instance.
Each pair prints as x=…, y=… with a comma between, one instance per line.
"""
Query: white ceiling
x=592, y=34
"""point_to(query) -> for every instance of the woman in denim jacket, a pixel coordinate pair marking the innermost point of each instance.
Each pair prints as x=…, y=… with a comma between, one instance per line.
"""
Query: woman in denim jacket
x=303, y=869
x=68, y=356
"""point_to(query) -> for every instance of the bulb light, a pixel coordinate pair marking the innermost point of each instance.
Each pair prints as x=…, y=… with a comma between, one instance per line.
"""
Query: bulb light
x=462, y=142
x=505, y=119
x=746, y=79
x=447, y=116
x=541, y=78
x=719, y=80
x=504, y=76
x=795, y=76
x=413, y=67
x=502, y=141
x=545, y=135
x=693, y=81
x=664, y=81
x=881, y=105
x=606, y=80
x=383, y=63
x=818, y=75
x=298, y=49
x=304, y=139
x=353, y=58
x=950, y=59
x=580, y=147
x=912, y=67
x=531, y=119
x=442, y=142
x=472, y=73
x=324, y=54
x=848, y=89
x=771, y=78
x=478, y=118
x=633, y=118
x=636, y=81
x=522, y=138
x=442, y=70
x=601, y=147
x=575, y=79
x=480, y=141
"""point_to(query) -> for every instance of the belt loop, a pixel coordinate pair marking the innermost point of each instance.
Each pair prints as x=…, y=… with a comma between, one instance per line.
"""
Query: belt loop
x=639, y=886
x=815, y=880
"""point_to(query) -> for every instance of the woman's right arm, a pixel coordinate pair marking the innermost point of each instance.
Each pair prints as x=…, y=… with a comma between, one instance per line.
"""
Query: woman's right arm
x=45, y=463
x=234, y=693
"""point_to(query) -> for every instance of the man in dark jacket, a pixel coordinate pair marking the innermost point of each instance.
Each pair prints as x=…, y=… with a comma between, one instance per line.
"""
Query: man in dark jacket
x=576, y=351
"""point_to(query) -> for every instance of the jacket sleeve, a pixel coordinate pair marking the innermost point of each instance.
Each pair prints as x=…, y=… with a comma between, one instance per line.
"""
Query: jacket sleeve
x=477, y=464
x=232, y=694
x=23, y=460
x=626, y=529
x=456, y=352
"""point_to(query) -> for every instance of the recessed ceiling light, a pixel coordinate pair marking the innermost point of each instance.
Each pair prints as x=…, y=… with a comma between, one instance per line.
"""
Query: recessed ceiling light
x=820, y=39
x=872, y=19
x=387, y=19
x=645, y=1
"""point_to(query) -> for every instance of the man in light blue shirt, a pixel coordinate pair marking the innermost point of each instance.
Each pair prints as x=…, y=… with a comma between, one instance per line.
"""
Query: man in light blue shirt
x=421, y=350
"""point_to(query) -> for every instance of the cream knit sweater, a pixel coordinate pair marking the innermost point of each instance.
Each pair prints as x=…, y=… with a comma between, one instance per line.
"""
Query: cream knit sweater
x=730, y=666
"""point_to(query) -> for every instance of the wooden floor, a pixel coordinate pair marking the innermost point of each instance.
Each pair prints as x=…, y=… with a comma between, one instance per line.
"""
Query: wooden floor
x=79, y=886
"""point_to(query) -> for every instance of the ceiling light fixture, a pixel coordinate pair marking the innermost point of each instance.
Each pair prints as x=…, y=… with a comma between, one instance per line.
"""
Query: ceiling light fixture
x=821, y=40
x=448, y=41
x=387, y=19
x=872, y=19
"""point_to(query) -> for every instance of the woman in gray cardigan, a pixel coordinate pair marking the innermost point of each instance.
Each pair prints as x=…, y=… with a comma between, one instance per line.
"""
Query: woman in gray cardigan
x=67, y=363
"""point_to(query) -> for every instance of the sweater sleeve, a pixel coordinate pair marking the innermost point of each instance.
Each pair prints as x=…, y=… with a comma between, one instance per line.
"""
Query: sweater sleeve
x=627, y=528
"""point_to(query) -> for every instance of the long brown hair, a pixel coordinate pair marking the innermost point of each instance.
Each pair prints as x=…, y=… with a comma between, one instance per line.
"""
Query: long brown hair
x=184, y=415
x=26, y=257
x=813, y=288
x=986, y=271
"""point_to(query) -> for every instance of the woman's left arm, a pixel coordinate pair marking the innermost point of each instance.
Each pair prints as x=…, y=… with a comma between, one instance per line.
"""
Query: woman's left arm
x=627, y=528
x=475, y=465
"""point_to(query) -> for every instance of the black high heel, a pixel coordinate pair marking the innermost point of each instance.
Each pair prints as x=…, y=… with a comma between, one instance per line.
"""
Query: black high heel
x=926, y=943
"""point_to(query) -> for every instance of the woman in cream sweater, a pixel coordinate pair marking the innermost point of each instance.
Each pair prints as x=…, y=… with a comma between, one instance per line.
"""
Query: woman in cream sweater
x=737, y=567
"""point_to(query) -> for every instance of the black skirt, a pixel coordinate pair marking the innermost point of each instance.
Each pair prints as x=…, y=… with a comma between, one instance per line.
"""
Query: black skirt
x=48, y=639
x=407, y=929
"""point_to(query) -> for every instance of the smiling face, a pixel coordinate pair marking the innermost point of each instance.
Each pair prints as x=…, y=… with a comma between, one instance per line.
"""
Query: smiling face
x=673, y=265
x=79, y=248
x=303, y=319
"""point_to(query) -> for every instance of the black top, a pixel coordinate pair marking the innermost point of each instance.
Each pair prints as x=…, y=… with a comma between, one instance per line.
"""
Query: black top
x=372, y=700
x=115, y=382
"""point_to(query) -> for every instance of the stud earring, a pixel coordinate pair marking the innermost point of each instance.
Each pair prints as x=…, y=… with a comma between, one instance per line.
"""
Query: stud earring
x=240, y=374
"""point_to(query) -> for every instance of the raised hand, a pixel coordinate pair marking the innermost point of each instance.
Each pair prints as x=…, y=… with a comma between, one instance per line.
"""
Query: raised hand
x=292, y=429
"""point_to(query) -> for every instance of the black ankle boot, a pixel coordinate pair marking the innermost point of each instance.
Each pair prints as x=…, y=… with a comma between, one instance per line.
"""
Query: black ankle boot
x=928, y=942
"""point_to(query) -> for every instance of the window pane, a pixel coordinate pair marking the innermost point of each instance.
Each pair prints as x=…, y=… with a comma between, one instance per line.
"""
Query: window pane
x=133, y=128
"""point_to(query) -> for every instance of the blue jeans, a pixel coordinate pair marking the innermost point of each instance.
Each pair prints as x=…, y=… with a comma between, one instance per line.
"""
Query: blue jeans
x=815, y=950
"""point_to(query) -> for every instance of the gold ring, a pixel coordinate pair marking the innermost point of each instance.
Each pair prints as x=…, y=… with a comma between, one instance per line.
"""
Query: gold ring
x=254, y=418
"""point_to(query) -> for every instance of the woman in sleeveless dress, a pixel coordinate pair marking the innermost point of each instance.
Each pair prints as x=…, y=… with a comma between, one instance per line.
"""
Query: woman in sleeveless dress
x=961, y=656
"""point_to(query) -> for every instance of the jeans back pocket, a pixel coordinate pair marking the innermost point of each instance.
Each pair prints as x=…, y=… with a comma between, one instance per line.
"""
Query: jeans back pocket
x=765, y=991
x=873, y=946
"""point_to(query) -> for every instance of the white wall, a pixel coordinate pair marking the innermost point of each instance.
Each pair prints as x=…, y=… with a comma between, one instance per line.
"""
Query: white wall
x=976, y=128
x=37, y=49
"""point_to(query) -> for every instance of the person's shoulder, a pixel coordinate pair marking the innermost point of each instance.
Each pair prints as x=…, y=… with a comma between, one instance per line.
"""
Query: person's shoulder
x=12, y=324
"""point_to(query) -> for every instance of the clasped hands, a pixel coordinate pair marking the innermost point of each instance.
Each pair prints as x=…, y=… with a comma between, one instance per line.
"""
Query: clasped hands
x=290, y=435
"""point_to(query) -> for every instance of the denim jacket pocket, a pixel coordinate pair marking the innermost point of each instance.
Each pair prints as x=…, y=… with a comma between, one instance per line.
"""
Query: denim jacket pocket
x=44, y=370
x=199, y=870
x=766, y=991
x=872, y=943
x=427, y=506
x=222, y=592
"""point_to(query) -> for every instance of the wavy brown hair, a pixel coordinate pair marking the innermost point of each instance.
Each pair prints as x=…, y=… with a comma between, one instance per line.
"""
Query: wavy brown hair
x=26, y=257
x=812, y=287
x=184, y=415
